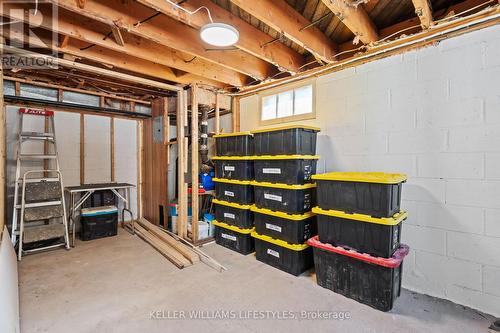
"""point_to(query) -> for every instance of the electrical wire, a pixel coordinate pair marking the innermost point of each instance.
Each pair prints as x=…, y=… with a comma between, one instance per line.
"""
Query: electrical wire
x=192, y=12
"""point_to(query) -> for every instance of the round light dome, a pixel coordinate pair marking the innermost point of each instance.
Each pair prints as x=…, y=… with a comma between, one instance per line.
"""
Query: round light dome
x=219, y=34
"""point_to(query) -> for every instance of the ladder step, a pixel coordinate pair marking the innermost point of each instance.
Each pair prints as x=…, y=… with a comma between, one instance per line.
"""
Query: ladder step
x=38, y=180
x=43, y=191
x=37, y=157
x=40, y=204
x=43, y=232
x=36, y=135
x=43, y=213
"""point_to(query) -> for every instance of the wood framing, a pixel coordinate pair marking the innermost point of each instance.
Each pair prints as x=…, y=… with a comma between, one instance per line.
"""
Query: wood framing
x=279, y=15
x=167, y=31
x=251, y=38
x=423, y=9
x=194, y=163
x=355, y=18
x=236, y=113
x=78, y=28
x=181, y=165
x=217, y=113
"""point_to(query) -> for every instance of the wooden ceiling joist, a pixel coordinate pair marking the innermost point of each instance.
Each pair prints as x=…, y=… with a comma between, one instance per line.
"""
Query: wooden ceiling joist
x=279, y=15
x=355, y=18
x=251, y=39
x=138, y=19
x=423, y=10
x=79, y=28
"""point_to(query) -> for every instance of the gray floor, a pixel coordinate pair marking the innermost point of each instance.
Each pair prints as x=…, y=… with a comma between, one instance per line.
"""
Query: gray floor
x=114, y=285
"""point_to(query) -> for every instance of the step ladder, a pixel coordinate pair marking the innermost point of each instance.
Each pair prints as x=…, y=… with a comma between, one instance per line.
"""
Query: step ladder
x=39, y=214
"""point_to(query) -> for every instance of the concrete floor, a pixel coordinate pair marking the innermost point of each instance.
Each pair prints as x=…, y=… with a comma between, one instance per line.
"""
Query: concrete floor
x=113, y=285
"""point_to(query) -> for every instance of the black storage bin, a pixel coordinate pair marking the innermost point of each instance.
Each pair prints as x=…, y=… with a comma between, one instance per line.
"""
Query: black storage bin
x=234, y=144
x=291, y=258
x=101, y=198
x=292, y=199
x=234, y=167
x=285, y=169
x=234, y=238
x=372, y=193
x=379, y=237
x=237, y=191
x=293, y=229
x=99, y=222
x=361, y=277
x=233, y=214
x=289, y=140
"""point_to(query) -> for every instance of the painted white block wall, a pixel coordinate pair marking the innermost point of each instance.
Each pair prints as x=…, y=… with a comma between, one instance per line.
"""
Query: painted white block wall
x=433, y=114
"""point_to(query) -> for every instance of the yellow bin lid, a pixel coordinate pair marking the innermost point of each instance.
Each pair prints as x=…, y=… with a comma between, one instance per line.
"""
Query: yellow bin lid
x=232, y=181
x=232, y=227
x=233, y=158
x=393, y=220
x=293, y=217
x=286, y=157
x=230, y=204
x=224, y=135
x=284, y=186
x=363, y=177
x=279, y=242
x=282, y=128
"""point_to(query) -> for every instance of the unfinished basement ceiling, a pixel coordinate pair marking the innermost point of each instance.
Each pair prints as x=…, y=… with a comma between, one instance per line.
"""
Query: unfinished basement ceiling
x=154, y=40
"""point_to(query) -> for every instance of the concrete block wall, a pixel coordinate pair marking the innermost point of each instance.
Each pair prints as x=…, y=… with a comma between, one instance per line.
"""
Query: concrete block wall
x=434, y=114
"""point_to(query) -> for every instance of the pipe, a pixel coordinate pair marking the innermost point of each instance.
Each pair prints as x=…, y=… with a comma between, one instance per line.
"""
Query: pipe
x=331, y=68
x=205, y=161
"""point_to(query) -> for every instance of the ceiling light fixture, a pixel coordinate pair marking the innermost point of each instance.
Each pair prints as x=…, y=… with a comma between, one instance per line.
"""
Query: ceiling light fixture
x=214, y=33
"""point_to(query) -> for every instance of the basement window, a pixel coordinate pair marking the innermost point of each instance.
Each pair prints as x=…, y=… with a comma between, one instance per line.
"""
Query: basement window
x=288, y=105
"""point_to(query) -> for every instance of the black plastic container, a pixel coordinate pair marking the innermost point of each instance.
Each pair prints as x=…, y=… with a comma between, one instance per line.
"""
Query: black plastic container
x=234, y=144
x=293, y=229
x=234, y=167
x=233, y=214
x=366, y=279
x=379, y=237
x=237, y=191
x=291, y=258
x=289, y=140
x=234, y=238
x=372, y=193
x=291, y=199
x=285, y=169
x=99, y=222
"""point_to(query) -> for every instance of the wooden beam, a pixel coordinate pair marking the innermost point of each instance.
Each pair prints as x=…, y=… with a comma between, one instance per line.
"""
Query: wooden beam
x=194, y=163
x=251, y=39
x=355, y=18
x=79, y=28
x=236, y=113
x=370, y=5
x=217, y=113
x=423, y=10
x=279, y=15
x=169, y=32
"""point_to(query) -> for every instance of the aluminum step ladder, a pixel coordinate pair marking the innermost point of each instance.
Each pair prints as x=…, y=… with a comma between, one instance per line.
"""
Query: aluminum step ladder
x=39, y=214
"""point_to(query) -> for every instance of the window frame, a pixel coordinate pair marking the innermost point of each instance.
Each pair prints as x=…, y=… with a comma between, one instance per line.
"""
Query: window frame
x=295, y=117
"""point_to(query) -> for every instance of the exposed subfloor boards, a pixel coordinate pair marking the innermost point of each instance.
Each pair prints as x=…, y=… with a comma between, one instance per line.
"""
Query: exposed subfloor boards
x=113, y=285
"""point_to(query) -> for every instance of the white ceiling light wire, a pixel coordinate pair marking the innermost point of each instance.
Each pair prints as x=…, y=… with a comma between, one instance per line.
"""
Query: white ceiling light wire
x=192, y=12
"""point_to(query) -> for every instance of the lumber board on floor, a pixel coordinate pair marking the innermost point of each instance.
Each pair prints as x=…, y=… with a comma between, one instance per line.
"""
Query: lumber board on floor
x=166, y=250
x=178, y=246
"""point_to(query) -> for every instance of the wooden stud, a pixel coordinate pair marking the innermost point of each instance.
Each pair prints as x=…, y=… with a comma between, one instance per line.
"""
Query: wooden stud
x=182, y=193
x=194, y=163
x=18, y=88
x=282, y=17
x=423, y=9
x=355, y=18
x=236, y=113
x=217, y=113
x=82, y=149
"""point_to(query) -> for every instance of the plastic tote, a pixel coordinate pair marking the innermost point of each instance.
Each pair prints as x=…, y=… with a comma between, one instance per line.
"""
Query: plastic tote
x=231, y=190
x=378, y=237
x=234, y=167
x=291, y=228
x=292, y=199
x=372, y=193
x=234, y=144
x=233, y=214
x=285, y=169
x=291, y=258
x=287, y=140
x=234, y=238
x=370, y=280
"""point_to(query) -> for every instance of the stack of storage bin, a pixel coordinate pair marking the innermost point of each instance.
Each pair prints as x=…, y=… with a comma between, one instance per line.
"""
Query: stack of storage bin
x=234, y=191
x=284, y=162
x=357, y=252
